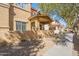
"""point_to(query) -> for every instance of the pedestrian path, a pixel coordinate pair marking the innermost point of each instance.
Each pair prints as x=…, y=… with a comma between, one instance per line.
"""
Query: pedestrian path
x=59, y=50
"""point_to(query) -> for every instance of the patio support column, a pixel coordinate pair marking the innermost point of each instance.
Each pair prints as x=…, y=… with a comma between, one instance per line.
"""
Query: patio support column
x=37, y=24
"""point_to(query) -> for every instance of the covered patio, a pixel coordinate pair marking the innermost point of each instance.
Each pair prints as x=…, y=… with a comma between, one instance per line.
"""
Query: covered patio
x=40, y=22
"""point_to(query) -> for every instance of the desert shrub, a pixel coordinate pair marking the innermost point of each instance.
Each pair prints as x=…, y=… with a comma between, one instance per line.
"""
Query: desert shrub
x=28, y=42
x=14, y=38
x=10, y=38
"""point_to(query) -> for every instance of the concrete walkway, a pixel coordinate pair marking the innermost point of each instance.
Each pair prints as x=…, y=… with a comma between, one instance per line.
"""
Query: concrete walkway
x=59, y=50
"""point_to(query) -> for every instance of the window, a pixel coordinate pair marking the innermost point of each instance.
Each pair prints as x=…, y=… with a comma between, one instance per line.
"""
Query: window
x=22, y=5
x=23, y=26
x=20, y=26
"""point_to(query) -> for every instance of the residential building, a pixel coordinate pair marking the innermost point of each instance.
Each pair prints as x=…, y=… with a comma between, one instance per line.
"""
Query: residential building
x=22, y=17
x=14, y=16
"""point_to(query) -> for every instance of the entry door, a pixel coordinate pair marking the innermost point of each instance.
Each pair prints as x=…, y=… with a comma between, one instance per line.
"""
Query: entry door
x=41, y=27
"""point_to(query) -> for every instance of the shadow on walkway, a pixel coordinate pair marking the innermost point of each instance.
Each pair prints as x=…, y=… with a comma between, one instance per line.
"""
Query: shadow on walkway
x=25, y=48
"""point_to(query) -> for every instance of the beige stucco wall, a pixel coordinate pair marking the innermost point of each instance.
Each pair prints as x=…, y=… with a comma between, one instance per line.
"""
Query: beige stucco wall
x=4, y=17
x=22, y=15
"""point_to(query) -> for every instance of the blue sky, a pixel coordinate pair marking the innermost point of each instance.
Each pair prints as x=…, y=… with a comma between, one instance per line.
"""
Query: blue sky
x=35, y=5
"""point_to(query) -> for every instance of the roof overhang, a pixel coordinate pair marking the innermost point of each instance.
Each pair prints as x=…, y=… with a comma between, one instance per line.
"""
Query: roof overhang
x=41, y=18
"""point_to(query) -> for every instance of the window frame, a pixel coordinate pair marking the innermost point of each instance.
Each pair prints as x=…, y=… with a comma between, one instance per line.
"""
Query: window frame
x=21, y=26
